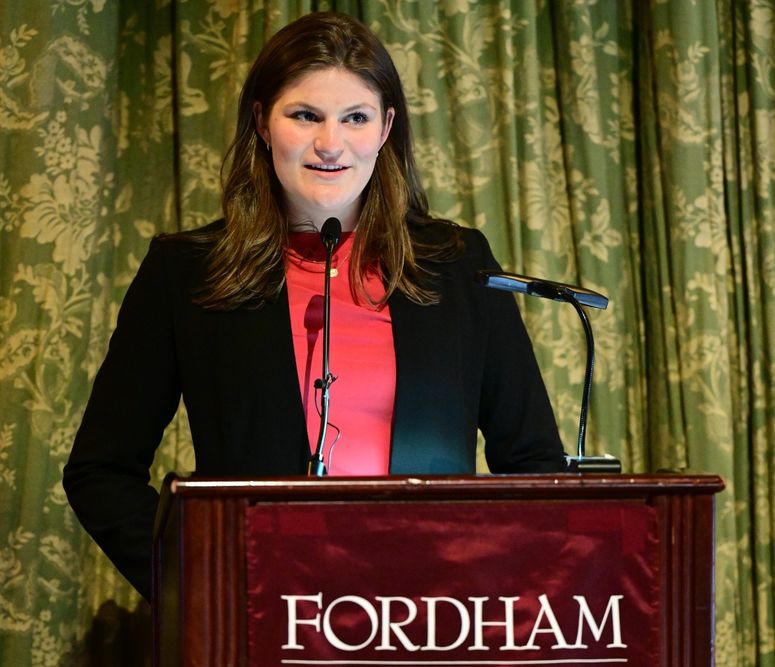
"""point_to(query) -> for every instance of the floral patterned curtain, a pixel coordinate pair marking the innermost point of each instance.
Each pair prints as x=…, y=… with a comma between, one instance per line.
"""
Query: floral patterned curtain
x=628, y=146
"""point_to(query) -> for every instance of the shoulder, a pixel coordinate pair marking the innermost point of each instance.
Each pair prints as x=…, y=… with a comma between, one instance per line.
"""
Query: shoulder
x=474, y=250
x=188, y=246
x=179, y=259
x=446, y=250
x=201, y=238
x=475, y=243
x=444, y=233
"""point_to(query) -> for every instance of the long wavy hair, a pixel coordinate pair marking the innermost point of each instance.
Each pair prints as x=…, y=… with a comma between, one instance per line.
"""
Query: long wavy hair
x=246, y=262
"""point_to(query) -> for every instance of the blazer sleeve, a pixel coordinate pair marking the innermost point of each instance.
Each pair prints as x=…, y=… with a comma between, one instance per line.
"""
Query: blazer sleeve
x=135, y=395
x=515, y=415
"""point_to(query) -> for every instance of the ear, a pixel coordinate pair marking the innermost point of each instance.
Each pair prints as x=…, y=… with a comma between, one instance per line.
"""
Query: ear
x=389, y=115
x=261, y=126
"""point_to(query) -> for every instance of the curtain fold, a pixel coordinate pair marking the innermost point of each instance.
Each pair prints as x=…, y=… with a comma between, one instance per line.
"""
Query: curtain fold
x=626, y=146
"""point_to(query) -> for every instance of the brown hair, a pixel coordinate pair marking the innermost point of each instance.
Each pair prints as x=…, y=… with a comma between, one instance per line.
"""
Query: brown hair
x=245, y=264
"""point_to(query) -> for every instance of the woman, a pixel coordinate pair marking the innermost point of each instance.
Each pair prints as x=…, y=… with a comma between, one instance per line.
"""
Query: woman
x=229, y=316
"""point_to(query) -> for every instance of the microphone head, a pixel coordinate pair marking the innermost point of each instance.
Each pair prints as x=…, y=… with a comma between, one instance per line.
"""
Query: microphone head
x=330, y=233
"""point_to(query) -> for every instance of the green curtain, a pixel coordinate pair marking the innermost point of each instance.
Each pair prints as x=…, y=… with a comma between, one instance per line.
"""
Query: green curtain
x=628, y=146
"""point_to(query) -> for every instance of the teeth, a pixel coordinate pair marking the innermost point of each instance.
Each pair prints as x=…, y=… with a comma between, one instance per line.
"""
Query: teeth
x=326, y=167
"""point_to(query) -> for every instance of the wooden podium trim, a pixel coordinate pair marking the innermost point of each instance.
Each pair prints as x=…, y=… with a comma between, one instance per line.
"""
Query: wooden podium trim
x=458, y=487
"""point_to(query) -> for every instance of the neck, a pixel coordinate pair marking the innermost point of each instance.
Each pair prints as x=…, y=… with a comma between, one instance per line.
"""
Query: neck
x=304, y=222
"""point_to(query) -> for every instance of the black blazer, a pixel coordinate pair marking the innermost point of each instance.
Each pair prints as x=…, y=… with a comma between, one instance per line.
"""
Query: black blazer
x=462, y=364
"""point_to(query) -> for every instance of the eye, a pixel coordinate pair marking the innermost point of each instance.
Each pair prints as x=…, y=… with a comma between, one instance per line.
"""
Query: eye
x=304, y=115
x=357, y=118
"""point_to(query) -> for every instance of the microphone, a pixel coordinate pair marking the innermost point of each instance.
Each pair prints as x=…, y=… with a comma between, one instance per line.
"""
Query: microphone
x=548, y=289
x=576, y=296
x=330, y=234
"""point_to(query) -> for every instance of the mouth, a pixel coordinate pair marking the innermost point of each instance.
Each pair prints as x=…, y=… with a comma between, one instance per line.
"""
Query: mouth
x=326, y=168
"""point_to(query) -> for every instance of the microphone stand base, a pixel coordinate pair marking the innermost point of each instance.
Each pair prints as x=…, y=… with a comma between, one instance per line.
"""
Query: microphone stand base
x=316, y=468
x=605, y=463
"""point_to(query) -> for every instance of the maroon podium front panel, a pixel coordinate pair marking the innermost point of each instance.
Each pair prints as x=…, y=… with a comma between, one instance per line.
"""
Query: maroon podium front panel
x=453, y=583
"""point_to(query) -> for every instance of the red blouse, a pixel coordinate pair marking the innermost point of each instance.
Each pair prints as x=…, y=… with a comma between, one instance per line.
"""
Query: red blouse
x=361, y=357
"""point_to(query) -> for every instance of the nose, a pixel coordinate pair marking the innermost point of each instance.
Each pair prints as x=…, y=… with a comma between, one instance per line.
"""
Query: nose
x=328, y=142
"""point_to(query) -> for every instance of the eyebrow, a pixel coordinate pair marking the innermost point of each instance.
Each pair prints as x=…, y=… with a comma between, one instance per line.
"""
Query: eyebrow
x=312, y=107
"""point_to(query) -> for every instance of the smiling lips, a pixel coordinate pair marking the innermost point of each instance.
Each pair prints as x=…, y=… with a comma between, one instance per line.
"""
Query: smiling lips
x=326, y=168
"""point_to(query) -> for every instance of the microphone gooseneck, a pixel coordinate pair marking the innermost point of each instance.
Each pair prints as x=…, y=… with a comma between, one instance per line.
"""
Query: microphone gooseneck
x=330, y=234
x=576, y=296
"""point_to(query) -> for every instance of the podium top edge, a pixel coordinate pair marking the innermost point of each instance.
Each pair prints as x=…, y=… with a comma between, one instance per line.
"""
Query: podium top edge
x=432, y=486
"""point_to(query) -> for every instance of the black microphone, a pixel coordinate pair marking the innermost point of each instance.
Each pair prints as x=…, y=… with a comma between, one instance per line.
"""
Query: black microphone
x=576, y=296
x=548, y=289
x=330, y=234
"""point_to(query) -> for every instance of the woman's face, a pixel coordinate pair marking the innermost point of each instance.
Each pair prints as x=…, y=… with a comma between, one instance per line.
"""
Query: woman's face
x=325, y=131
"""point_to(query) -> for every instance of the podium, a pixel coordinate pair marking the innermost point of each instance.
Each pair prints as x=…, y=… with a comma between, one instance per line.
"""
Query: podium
x=464, y=570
